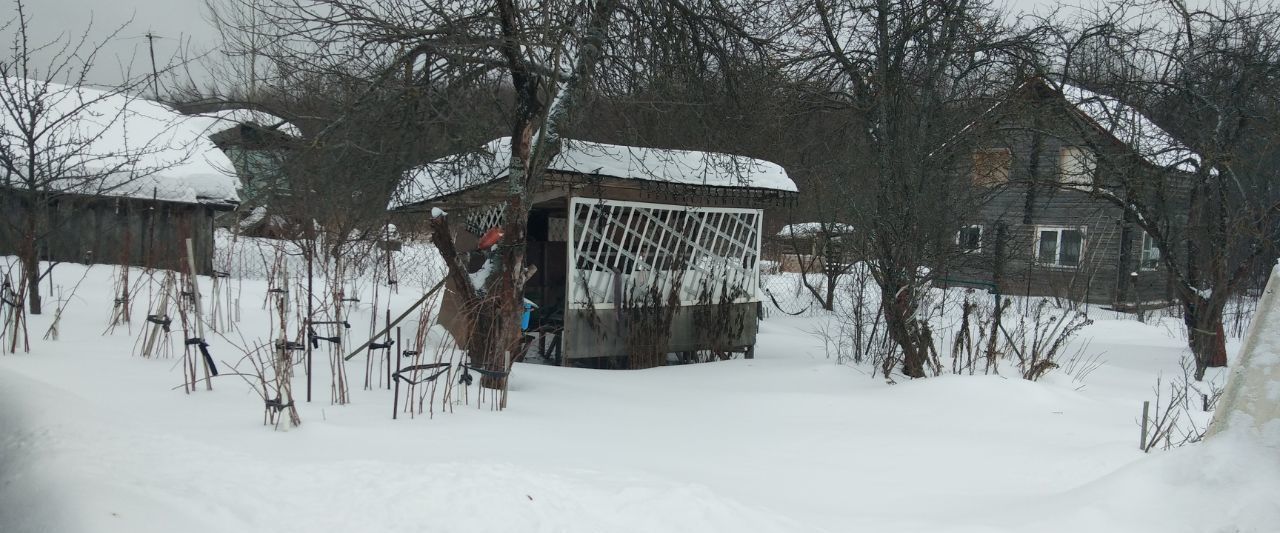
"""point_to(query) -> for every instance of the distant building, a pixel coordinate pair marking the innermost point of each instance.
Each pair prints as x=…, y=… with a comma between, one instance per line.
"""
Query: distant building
x=167, y=183
x=1046, y=154
x=809, y=247
x=256, y=143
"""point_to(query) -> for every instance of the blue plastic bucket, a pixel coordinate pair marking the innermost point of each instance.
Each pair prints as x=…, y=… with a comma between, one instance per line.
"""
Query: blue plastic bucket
x=524, y=317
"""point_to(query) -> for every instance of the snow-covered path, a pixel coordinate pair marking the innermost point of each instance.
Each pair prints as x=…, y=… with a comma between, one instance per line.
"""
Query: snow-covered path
x=97, y=440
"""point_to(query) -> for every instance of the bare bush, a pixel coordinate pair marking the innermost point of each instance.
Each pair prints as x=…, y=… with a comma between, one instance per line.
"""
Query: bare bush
x=1180, y=413
x=1040, y=340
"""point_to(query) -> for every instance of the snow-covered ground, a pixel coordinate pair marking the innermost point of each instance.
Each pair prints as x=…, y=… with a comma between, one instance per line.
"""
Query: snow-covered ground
x=97, y=440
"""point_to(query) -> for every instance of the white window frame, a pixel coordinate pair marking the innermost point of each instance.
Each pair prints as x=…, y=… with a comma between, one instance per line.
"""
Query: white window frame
x=1143, y=253
x=1057, y=252
x=981, y=234
x=1086, y=160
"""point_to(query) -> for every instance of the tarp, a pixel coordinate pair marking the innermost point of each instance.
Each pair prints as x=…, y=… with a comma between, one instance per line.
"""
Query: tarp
x=1251, y=401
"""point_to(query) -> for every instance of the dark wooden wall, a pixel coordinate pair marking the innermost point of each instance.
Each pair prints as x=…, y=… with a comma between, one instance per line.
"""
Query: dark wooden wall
x=1034, y=130
x=107, y=230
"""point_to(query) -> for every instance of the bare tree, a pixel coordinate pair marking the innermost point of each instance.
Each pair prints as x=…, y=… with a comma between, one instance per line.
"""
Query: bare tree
x=538, y=61
x=822, y=248
x=1208, y=201
x=60, y=137
x=908, y=74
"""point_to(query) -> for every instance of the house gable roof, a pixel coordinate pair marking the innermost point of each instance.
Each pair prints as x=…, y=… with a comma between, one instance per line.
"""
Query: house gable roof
x=1129, y=126
x=1109, y=116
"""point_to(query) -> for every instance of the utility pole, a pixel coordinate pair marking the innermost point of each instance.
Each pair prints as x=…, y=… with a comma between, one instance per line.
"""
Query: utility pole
x=151, y=47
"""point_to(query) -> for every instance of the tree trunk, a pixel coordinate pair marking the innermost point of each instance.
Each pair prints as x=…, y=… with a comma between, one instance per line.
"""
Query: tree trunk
x=1205, y=333
x=31, y=260
x=489, y=339
x=911, y=336
x=491, y=312
x=804, y=280
x=829, y=303
x=508, y=295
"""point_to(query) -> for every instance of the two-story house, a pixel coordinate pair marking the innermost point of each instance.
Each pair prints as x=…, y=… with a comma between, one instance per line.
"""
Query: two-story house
x=1056, y=162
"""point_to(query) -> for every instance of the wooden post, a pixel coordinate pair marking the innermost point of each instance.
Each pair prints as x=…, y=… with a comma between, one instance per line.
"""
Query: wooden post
x=310, y=252
x=281, y=352
x=388, y=339
x=166, y=287
x=392, y=283
x=506, y=380
x=1146, y=407
x=195, y=298
x=395, y=398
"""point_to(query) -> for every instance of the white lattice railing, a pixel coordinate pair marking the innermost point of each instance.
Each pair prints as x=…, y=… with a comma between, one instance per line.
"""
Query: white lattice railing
x=480, y=219
x=619, y=249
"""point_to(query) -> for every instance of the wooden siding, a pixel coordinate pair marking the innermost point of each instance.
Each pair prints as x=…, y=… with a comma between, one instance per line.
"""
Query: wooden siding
x=1036, y=131
x=599, y=333
x=105, y=230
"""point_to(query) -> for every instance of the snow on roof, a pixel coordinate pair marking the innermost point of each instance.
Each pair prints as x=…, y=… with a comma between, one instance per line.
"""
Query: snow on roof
x=148, y=149
x=1133, y=128
x=807, y=229
x=454, y=173
x=227, y=118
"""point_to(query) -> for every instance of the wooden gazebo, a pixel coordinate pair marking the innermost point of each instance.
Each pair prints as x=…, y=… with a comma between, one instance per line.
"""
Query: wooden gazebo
x=618, y=232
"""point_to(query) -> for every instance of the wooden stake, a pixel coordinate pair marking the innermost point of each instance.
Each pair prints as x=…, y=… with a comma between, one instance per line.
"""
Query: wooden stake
x=1146, y=407
x=310, y=253
x=195, y=298
x=398, y=319
x=148, y=346
x=506, y=365
x=388, y=339
x=395, y=398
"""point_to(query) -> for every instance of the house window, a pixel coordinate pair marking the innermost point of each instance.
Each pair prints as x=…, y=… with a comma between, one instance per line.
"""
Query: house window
x=991, y=166
x=1059, y=247
x=969, y=239
x=1150, y=258
x=1076, y=165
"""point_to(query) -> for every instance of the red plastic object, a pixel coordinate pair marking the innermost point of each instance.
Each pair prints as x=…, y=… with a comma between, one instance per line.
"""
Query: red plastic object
x=490, y=238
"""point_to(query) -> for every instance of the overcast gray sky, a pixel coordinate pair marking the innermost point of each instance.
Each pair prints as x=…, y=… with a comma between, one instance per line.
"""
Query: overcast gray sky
x=185, y=21
x=172, y=21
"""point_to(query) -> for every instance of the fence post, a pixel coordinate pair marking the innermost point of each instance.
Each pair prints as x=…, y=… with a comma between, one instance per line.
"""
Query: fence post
x=1146, y=408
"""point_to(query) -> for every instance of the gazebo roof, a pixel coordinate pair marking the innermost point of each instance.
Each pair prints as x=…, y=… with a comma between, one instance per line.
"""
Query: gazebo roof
x=458, y=173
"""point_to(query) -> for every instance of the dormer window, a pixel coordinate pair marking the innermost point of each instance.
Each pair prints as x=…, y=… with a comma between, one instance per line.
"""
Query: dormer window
x=991, y=166
x=1076, y=165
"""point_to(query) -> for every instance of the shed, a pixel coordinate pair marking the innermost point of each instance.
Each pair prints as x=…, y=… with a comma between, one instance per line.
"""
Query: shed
x=143, y=179
x=812, y=246
x=617, y=232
